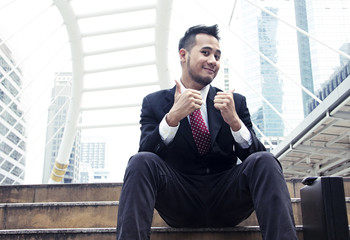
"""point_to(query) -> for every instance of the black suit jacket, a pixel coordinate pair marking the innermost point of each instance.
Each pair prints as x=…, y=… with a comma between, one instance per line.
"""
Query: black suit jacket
x=182, y=152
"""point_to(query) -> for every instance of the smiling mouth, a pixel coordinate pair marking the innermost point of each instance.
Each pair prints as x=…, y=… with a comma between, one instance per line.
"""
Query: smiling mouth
x=210, y=70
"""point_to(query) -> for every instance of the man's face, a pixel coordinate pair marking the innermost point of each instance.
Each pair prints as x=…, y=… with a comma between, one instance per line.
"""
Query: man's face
x=203, y=61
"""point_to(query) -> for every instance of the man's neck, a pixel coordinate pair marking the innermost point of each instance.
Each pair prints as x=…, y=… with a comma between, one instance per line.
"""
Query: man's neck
x=191, y=84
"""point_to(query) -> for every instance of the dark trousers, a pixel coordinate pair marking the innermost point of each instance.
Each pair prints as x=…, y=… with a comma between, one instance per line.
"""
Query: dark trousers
x=215, y=200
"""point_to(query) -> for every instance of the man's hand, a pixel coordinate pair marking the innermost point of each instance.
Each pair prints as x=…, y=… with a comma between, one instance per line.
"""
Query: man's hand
x=224, y=102
x=184, y=104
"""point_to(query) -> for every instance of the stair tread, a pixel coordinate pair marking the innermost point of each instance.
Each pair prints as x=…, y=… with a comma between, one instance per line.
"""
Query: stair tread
x=86, y=203
x=91, y=203
x=95, y=191
x=63, y=204
x=236, y=233
x=153, y=229
x=77, y=214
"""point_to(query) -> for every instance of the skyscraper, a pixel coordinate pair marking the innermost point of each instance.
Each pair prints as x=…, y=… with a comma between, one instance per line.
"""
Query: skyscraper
x=304, y=52
x=12, y=125
x=300, y=60
x=274, y=99
x=266, y=118
x=56, y=120
x=328, y=20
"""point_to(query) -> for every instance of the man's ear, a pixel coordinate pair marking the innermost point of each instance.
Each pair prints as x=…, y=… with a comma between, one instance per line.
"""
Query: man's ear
x=182, y=54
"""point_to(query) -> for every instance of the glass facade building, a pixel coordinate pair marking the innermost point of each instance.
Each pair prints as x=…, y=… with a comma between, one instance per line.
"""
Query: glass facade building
x=328, y=20
x=304, y=53
x=265, y=117
x=12, y=122
x=275, y=98
x=300, y=60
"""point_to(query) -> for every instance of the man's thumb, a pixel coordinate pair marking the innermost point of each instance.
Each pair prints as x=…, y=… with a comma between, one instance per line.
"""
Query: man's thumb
x=178, y=88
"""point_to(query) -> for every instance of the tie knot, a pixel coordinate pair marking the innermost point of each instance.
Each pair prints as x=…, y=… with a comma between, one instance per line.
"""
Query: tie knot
x=196, y=112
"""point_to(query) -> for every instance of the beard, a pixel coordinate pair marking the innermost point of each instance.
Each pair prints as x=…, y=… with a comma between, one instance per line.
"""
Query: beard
x=204, y=81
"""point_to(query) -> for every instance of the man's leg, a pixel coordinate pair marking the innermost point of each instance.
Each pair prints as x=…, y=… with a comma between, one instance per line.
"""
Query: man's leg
x=270, y=195
x=150, y=183
x=137, y=199
x=257, y=183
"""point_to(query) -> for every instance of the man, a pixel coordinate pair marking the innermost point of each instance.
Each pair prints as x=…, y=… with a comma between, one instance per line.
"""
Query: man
x=199, y=183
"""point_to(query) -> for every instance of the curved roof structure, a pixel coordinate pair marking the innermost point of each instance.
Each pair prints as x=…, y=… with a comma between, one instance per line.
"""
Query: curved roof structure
x=76, y=36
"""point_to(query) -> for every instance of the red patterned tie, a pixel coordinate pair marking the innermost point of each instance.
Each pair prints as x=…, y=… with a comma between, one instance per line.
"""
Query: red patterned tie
x=200, y=132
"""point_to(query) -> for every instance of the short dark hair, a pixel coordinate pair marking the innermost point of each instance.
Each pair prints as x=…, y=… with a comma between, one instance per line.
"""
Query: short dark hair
x=189, y=39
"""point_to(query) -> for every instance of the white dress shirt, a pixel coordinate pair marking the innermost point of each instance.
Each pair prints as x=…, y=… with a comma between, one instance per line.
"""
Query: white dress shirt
x=167, y=133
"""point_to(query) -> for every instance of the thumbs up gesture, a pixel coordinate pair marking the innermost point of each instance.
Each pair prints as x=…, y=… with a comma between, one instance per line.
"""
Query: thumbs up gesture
x=184, y=104
x=225, y=103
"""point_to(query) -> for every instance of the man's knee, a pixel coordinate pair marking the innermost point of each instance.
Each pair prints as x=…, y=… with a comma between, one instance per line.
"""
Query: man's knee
x=142, y=161
x=264, y=160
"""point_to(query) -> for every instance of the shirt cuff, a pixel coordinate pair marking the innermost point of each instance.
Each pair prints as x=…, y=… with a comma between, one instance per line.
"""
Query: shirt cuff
x=242, y=136
x=166, y=132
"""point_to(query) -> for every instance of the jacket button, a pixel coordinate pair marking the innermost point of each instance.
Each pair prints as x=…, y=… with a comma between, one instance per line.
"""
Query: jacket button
x=207, y=171
x=156, y=149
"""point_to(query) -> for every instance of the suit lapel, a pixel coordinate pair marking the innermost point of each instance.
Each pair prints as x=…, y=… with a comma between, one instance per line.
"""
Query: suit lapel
x=215, y=119
x=169, y=100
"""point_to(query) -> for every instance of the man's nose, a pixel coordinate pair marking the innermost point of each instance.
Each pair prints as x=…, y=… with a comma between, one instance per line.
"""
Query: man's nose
x=212, y=60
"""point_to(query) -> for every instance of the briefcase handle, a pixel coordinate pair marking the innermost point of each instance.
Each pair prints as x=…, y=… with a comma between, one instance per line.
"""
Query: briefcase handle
x=309, y=180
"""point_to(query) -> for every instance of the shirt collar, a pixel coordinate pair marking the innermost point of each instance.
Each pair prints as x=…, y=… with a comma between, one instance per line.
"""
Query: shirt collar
x=204, y=92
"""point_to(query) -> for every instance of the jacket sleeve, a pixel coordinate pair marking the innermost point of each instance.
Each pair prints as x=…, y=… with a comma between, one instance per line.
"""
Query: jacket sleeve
x=150, y=139
x=244, y=115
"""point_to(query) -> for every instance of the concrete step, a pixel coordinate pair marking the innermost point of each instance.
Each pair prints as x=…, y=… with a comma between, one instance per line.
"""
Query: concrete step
x=157, y=233
x=89, y=211
x=86, y=215
x=60, y=192
x=94, y=192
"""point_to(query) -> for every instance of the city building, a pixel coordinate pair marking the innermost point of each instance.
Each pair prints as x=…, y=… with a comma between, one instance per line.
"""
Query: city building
x=56, y=121
x=304, y=53
x=289, y=59
x=12, y=124
x=346, y=49
x=90, y=175
x=328, y=20
x=93, y=166
x=226, y=76
x=222, y=80
x=338, y=77
x=273, y=98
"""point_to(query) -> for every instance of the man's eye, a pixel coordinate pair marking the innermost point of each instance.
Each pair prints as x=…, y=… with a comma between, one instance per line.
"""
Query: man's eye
x=217, y=57
x=206, y=53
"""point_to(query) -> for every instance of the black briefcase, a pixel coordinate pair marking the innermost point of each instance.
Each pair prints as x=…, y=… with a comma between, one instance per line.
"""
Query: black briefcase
x=324, y=209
